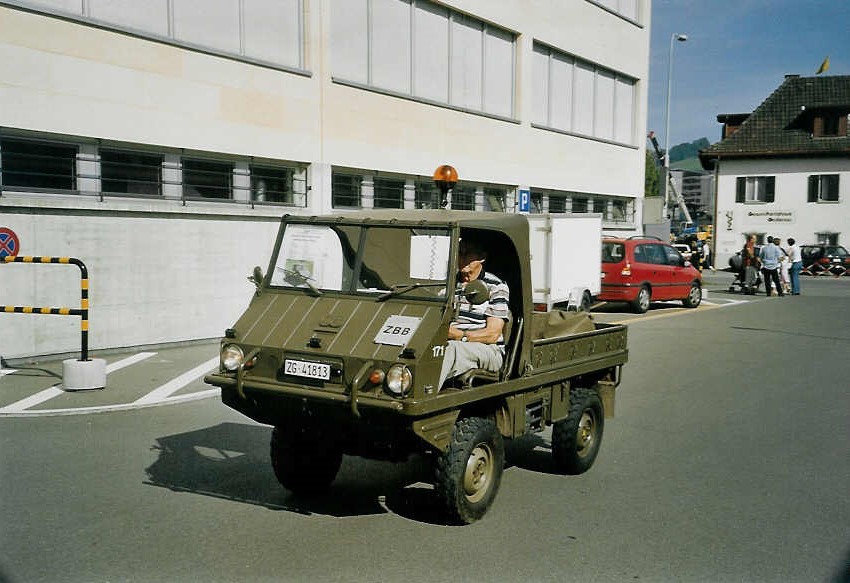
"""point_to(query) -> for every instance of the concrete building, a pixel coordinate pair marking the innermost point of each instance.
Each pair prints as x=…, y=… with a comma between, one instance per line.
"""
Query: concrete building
x=161, y=141
x=784, y=170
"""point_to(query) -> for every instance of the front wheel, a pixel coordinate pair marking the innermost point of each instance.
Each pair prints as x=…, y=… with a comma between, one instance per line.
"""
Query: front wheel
x=304, y=462
x=694, y=297
x=469, y=472
x=576, y=439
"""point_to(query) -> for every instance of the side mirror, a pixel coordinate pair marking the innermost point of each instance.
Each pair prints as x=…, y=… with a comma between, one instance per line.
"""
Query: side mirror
x=256, y=277
x=476, y=292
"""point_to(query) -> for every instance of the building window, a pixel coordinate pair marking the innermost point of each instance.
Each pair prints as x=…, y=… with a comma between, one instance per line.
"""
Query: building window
x=830, y=125
x=823, y=188
x=424, y=50
x=619, y=210
x=345, y=190
x=626, y=8
x=270, y=184
x=207, y=179
x=557, y=204
x=126, y=172
x=389, y=193
x=34, y=164
x=463, y=197
x=267, y=30
x=827, y=238
x=428, y=196
x=495, y=199
x=579, y=205
x=579, y=97
x=755, y=189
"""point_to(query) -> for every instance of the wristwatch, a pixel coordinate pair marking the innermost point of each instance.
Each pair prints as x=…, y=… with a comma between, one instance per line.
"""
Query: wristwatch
x=464, y=338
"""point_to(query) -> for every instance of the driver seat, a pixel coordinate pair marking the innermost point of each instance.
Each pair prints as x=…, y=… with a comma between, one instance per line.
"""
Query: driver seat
x=479, y=376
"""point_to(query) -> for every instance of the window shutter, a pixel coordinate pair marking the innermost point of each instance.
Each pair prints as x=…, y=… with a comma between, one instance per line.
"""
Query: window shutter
x=831, y=190
x=813, y=189
x=741, y=191
x=770, y=189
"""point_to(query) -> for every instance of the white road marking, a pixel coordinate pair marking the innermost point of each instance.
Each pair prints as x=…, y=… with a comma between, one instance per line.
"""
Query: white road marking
x=55, y=391
x=33, y=400
x=171, y=387
x=128, y=361
x=119, y=407
x=5, y=371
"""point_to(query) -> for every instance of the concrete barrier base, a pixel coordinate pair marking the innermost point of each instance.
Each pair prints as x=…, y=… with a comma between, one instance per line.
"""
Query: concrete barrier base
x=79, y=375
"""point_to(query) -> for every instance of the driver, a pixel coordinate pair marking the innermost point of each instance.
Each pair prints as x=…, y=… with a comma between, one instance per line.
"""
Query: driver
x=475, y=337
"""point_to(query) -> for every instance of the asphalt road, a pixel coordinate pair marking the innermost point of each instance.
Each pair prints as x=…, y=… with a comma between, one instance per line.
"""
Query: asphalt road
x=728, y=460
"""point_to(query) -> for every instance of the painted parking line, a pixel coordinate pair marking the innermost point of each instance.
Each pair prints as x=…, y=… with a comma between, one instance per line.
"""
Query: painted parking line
x=162, y=395
x=56, y=390
x=171, y=387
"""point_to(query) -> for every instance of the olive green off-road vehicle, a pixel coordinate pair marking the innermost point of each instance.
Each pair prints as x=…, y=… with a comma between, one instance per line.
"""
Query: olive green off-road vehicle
x=341, y=347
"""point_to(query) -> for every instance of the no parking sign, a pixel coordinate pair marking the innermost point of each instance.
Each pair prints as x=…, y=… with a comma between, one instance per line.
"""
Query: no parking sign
x=9, y=243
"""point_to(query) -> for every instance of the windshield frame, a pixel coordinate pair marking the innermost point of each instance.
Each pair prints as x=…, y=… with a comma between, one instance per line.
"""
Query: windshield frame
x=361, y=263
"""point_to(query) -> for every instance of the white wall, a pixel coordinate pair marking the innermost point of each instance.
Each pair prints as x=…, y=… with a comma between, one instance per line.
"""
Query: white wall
x=177, y=275
x=790, y=215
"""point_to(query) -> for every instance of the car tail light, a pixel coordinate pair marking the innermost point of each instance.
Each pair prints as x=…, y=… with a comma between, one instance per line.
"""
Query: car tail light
x=627, y=270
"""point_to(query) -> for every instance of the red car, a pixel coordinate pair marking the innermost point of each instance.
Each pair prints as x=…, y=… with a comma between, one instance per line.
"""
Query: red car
x=639, y=270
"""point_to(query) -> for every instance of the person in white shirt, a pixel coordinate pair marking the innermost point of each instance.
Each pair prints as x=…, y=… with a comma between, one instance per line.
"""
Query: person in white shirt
x=475, y=338
x=795, y=257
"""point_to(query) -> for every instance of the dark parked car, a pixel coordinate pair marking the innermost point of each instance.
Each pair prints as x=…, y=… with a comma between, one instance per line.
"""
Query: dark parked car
x=819, y=259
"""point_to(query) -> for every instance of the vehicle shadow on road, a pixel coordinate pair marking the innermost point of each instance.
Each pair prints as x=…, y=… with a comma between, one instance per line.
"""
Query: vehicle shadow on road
x=532, y=453
x=231, y=461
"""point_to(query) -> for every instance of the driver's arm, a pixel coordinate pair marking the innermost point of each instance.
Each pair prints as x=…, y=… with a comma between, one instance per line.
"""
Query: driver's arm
x=489, y=334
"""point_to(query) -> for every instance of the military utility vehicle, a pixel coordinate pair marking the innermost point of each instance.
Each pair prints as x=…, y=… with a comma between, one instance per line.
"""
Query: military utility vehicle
x=341, y=346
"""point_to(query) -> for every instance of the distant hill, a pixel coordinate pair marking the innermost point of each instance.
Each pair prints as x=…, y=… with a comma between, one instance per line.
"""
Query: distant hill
x=692, y=164
x=685, y=151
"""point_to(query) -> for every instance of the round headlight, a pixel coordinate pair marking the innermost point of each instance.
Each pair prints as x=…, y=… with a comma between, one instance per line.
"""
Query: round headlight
x=231, y=357
x=399, y=379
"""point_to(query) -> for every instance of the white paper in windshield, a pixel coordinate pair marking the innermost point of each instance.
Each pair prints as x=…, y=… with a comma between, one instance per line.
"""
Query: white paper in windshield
x=311, y=252
x=429, y=257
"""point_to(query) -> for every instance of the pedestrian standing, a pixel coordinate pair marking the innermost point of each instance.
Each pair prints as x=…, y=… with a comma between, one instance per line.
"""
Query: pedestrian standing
x=795, y=257
x=769, y=256
x=749, y=266
x=706, y=255
x=784, y=267
x=695, y=256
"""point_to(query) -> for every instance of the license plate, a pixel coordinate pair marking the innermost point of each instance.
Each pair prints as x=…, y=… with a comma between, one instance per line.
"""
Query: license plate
x=310, y=370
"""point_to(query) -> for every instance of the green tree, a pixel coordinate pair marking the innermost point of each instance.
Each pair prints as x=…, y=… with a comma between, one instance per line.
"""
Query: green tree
x=651, y=180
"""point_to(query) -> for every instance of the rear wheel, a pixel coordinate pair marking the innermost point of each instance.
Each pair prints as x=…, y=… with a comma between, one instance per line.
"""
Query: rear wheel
x=304, y=461
x=641, y=303
x=469, y=472
x=576, y=440
x=694, y=297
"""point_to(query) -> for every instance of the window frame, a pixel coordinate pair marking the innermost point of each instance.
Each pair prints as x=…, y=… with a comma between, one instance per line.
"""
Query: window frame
x=72, y=151
x=748, y=189
x=128, y=178
x=819, y=183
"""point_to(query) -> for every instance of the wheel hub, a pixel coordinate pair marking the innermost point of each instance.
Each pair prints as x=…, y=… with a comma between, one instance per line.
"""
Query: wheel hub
x=479, y=473
x=586, y=433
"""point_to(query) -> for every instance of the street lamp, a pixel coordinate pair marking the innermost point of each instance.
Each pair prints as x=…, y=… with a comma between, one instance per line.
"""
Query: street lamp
x=676, y=36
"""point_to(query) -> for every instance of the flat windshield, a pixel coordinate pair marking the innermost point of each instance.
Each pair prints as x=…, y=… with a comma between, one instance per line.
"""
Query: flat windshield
x=355, y=259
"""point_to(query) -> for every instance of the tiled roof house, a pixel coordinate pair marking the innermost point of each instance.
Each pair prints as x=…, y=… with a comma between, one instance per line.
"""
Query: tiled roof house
x=784, y=169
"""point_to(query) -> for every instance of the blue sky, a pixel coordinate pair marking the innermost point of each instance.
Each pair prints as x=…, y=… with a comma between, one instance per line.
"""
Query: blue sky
x=737, y=53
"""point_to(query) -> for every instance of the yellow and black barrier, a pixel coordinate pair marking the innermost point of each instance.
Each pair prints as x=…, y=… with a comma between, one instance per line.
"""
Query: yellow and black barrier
x=83, y=310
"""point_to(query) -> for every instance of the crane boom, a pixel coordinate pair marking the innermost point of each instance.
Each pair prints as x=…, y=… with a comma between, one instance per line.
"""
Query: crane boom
x=677, y=197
